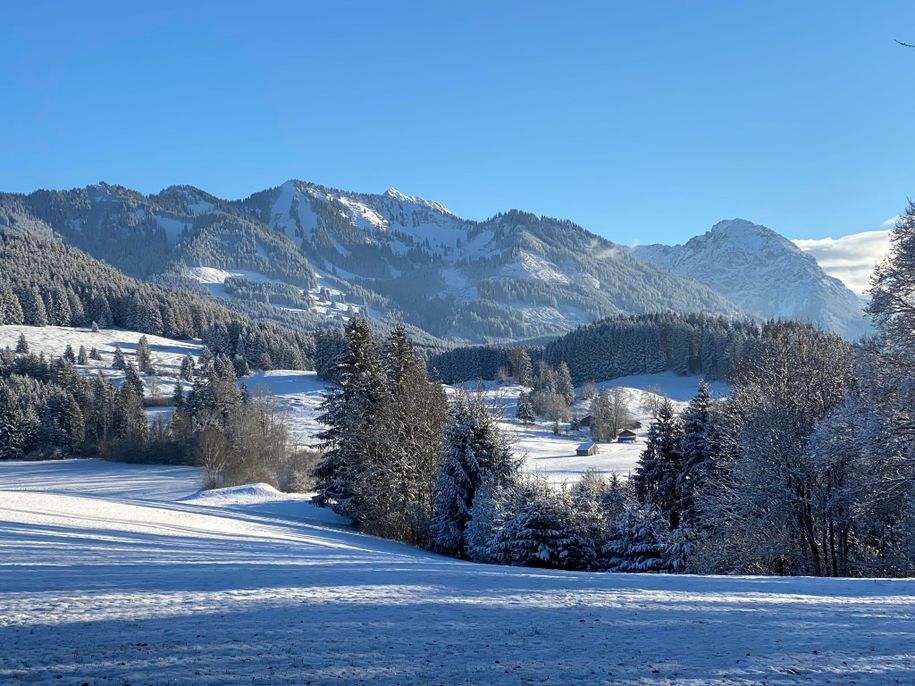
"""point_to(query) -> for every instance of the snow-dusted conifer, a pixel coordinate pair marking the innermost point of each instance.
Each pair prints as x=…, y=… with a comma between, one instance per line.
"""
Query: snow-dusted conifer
x=697, y=450
x=638, y=542
x=525, y=411
x=473, y=450
x=349, y=411
x=144, y=362
x=660, y=465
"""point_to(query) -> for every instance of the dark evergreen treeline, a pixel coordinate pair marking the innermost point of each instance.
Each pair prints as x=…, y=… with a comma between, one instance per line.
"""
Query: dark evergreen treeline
x=470, y=363
x=44, y=282
x=618, y=346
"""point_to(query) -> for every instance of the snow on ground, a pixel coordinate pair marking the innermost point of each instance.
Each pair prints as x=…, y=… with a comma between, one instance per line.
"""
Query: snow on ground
x=554, y=456
x=112, y=574
x=298, y=395
x=166, y=353
x=327, y=301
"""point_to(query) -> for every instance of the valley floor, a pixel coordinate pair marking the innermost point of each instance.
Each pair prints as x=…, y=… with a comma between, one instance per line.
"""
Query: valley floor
x=116, y=574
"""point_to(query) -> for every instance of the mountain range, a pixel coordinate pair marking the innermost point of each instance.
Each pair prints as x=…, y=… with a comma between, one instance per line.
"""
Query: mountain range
x=313, y=254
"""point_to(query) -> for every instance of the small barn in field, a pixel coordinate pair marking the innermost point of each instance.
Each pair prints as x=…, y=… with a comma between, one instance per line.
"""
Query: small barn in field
x=626, y=436
x=588, y=448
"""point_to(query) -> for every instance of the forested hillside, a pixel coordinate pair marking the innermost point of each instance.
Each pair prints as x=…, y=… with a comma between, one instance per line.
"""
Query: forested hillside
x=617, y=346
x=43, y=281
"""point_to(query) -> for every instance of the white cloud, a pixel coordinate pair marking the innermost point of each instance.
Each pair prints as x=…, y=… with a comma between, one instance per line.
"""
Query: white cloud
x=850, y=259
x=891, y=222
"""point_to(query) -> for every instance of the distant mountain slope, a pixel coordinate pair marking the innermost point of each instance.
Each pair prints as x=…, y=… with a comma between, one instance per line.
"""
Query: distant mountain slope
x=323, y=254
x=514, y=275
x=763, y=273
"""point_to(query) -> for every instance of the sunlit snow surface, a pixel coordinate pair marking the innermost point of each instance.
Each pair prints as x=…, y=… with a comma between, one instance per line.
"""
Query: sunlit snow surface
x=114, y=574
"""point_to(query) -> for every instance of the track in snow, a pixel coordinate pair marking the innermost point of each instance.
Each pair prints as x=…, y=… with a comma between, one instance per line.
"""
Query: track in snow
x=113, y=574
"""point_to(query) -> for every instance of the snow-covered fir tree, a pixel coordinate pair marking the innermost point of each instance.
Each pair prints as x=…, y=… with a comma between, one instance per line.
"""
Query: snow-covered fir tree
x=698, y=447
x=144, y=360
x=538, y=532
x=350, y=411
x=660, y=465
x=473, y=450
x=638, y=542
x=525, y=411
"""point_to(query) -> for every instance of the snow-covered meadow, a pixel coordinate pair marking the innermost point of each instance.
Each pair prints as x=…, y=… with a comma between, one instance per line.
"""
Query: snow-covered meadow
x=165, y=353
x=113, y=573
x=553, y=456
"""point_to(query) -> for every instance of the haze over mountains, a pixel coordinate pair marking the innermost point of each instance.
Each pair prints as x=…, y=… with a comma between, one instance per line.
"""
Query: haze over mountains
x=317, y=254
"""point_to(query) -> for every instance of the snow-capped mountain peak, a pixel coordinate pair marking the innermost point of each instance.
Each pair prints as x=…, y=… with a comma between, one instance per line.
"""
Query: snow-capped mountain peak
x=764, y=273
x=395, y=194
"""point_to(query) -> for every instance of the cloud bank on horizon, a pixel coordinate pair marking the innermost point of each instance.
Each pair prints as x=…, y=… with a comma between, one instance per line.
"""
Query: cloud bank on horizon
x=852, y=258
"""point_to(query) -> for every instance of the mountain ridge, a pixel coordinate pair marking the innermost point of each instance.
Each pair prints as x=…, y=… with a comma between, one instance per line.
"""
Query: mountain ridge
x=765, y=274
x=514, y=275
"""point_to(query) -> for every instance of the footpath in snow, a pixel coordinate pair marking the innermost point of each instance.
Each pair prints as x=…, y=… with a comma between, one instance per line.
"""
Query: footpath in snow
x=114, y=574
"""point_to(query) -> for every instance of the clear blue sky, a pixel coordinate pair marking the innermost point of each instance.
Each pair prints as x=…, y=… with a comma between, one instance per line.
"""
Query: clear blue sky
x=642, y=121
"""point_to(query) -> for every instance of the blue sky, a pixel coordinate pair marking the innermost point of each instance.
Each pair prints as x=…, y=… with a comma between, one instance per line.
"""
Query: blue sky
x=642, y=121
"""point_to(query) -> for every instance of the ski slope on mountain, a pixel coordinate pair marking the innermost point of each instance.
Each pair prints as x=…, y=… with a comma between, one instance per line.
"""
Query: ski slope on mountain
x=114, y=573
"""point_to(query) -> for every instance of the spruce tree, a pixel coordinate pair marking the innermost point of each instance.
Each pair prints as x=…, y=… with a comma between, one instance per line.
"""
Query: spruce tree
x=564, y=383
x=638, y=542
x=22, y=345
x=82, y=358
x=12, y=435
x=69, y=356
x=602, y=417
x=525, y=411
x=187, y=368
x=118, y=362
x=660, y=465
x=144, y=361
x=473, y=450
x=349, y=411
x=72, y=423
x=539, y=531
x=411, y=421
x=697, y=449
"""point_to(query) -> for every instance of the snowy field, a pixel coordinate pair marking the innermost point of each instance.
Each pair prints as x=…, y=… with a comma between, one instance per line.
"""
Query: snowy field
x=298, y=395
x=554, y=456
x=165, y=353
x=123, y=574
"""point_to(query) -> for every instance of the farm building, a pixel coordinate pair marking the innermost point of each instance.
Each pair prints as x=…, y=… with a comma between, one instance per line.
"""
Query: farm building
x=589, y=448
x=626, y=436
